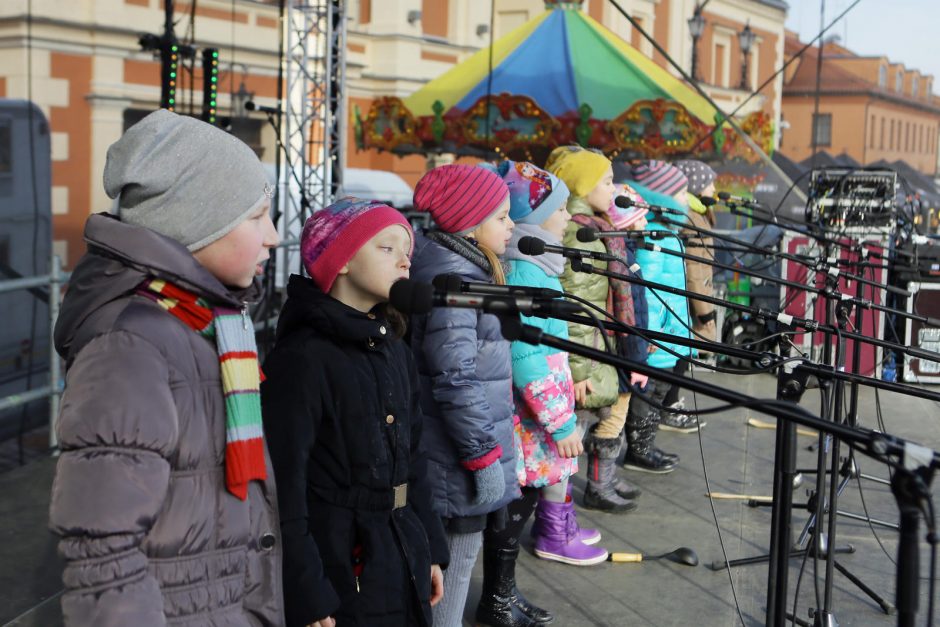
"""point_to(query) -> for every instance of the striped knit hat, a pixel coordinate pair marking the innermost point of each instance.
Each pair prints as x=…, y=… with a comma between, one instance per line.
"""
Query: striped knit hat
x=333, y=235
x=460, y=197
x=660, y=177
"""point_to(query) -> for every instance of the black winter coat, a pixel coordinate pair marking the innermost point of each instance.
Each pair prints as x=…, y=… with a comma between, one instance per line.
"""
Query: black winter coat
x=343, y=423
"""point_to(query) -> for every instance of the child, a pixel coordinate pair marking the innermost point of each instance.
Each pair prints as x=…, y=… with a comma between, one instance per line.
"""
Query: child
x=163, y=496
x=698, y=279
x=543, y=388
x=464, y=368
x=341, y=410
x=590, y=178
x=658, y=183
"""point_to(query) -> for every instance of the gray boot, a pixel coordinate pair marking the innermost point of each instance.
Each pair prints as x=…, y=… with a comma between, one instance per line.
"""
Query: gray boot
x=601, y=492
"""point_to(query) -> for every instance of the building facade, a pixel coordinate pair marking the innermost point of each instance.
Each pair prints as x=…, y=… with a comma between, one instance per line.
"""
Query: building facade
x=869, y=108
x=81, y=63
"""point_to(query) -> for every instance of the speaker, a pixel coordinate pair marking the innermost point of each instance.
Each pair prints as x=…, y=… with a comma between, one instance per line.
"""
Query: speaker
x=925, y=301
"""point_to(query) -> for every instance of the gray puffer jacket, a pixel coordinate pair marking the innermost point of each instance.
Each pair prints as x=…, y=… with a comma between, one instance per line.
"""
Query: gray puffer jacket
x=149, y=533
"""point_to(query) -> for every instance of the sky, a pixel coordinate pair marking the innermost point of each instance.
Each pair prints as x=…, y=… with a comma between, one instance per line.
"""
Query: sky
x=906, y=31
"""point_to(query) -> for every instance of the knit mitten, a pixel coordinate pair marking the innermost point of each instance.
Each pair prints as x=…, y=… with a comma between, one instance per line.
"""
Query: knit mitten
x=490, y=484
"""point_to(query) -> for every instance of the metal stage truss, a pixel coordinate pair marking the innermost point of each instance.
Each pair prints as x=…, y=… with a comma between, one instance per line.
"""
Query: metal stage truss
x=314, y=123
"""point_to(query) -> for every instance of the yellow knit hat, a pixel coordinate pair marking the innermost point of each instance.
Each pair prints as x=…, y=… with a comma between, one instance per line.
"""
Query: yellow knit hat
x=581, y=170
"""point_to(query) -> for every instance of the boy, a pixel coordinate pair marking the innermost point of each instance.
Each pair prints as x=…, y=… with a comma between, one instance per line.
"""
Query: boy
x=163, y=496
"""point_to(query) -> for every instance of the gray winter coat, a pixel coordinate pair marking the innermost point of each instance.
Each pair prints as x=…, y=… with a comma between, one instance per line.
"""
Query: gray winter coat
x=149, y=533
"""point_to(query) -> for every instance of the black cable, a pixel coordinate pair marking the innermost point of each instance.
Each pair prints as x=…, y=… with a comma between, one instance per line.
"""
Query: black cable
x=711, y=503
x=796, y=592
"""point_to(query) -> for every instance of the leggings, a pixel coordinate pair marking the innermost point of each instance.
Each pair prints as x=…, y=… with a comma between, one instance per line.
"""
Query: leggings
x=680, y=369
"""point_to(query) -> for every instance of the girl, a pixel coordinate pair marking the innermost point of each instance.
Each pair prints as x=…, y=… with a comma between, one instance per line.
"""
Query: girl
x=590, y=178
x=362, y=544
x=658, y=183
x=543, y=389
x=464, y=368
x=698, y=279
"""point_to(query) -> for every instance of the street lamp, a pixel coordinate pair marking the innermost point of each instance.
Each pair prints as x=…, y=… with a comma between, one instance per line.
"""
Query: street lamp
x=696, y=27
x=746, y=39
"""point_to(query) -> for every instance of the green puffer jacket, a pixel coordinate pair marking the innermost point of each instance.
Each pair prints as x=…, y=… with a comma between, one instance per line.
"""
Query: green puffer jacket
x=592, y=287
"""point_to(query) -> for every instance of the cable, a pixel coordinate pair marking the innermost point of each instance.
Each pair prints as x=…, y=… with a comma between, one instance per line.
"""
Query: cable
x=711, y=503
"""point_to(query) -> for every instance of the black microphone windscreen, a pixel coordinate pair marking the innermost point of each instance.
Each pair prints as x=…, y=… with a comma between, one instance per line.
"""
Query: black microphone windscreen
x=531, y=246
x=708, y=201
x=624, y=202
x=411, y=297
x=724, y=195
x=250, y=105
x=586, y=234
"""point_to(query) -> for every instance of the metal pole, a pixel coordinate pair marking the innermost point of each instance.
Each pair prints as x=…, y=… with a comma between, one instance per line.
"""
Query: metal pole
x=54, y=374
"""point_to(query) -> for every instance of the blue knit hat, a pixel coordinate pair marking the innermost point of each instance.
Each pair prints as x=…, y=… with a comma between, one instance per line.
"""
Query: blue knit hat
x=534, y=194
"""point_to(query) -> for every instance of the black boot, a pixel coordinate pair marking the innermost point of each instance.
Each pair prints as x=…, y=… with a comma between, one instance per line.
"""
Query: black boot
x=641, y=454
x=601, y=492
x=501, y=604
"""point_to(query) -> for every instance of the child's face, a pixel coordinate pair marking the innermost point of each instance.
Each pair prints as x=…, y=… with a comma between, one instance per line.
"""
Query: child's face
x=366, y=279
x=602, y=195
x=238, y=257
x=556, y=223
x=496, y=232
x=709, y=191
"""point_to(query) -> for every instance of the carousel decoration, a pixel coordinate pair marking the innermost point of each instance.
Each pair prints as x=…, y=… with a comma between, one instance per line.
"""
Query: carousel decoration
x=561, y=78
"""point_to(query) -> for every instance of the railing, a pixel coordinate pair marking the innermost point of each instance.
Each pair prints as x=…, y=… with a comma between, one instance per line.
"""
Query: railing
x=53, y=390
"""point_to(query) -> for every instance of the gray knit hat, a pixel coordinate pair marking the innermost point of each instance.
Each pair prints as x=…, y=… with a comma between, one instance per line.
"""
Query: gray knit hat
x=184, y=178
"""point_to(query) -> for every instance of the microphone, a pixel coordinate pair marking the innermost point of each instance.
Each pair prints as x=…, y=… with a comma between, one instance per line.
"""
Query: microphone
x=587, y=234
x=625, y=202
x=455, y=283
x=251, y=105
x=708, y=201
x=415, y=297
x=725, y=197
x=533, y=247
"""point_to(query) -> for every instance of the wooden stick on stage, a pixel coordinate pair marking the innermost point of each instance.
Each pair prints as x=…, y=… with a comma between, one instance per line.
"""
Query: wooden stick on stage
x=757, y=423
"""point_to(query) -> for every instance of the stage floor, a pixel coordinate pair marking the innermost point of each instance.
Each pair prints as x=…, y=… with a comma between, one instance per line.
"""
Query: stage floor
x=673, y=512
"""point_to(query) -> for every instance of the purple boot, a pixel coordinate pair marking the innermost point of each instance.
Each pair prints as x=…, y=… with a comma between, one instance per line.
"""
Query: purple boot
x=557, y=537
x=586, y=536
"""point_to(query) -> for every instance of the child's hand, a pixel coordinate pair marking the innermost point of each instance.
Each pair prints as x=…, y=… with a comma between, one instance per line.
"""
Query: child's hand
x=437, y=584
x=572, y=446
x=581, y=390
x=638, y=379
x=323, y=622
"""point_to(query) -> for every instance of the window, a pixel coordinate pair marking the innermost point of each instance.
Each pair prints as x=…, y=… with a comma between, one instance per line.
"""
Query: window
x=434, y=17
x=907, y=137
x=915, y=83
x=822, y=125
x=881, y=142
x=891, y=137
x=718, y=76
x=871, y=135
x=882, y=76
x=899, y=81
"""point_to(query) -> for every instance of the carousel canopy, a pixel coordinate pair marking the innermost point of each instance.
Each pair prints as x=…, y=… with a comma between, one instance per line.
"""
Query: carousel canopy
x=561, y=60
x=561, y=78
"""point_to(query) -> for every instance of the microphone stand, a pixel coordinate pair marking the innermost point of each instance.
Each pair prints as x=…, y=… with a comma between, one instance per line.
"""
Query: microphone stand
x=914, y=465
x=819, y=265
x=579, y=265
x=829, y=292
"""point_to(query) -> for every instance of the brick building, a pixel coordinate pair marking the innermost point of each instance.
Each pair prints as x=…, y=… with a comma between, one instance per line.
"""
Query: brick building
x=870, y=108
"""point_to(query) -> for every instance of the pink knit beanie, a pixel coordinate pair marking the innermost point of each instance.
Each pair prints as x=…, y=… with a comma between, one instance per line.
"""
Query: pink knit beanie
x=460, y=197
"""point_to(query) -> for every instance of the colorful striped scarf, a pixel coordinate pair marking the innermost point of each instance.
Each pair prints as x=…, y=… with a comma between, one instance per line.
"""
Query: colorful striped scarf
x=233, y=334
